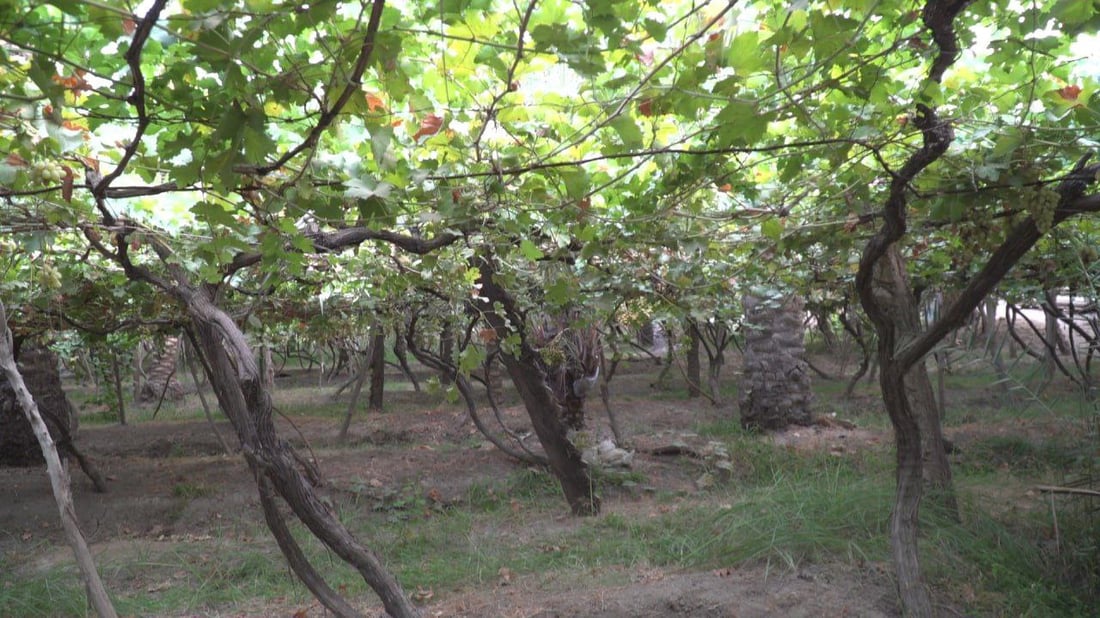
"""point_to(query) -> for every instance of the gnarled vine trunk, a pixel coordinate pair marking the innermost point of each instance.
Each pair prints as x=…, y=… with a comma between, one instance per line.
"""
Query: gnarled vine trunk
x=528, y=374
x=694, y=367
x=238, y=383
x=882, y=288
x=894, y=294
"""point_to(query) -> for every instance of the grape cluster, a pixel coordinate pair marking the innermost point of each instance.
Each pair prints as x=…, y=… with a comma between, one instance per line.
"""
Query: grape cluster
x=46, y=173
x=49, y=277
x=1041, y=203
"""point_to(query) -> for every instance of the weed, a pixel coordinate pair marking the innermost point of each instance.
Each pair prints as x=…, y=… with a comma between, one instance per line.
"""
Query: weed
x=616, y=477
x=190, y=491
x=533, y=483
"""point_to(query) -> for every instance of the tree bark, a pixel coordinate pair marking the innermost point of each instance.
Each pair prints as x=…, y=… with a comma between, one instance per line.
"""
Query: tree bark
x=528, y=375
x=59, y=476
x=442, y=365
x=139, y=369
x=694, y=369
x=357, y=388
x=237, y=381
x=116, y=375
x=607, y=372
x=297, y=559
x=446, y=352
x=377, y=367
x=400, y=350
x=856, y=330
x=162, y=383
x=714, y=377
x=881, y=284
x=895, y=297
x=189, y=360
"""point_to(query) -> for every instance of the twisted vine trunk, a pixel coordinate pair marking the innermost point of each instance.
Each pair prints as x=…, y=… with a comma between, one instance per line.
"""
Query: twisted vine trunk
x=694, y=367
x=528, y=374
x=238, y=384
x=883, y=290
x=894, y=294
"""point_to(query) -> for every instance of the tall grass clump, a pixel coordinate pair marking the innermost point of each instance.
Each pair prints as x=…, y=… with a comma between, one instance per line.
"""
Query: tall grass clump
x=835, y=515
x=1012, y=564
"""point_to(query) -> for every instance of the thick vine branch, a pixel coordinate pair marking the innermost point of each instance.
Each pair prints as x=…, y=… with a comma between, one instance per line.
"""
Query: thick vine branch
x=939, y=18
x=1022, y=238
x=136, y=98
x=936, y=134
x=329, y=242
x=352, y=87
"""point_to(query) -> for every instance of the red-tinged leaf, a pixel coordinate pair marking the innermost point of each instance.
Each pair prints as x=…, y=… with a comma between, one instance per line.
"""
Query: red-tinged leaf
x=67, y=184
x=1070, y=93
x=487, y=336
x=16, y=160
x=75, y=82
x=129, y=26
x=645, y=107
x=374, y=103
x=429, y=125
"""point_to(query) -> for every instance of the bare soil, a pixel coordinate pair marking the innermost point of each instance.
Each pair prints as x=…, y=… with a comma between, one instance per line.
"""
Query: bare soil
x=170, y=483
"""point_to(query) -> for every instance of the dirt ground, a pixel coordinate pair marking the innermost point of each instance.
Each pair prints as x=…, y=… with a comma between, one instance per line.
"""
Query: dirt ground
x=147, y=464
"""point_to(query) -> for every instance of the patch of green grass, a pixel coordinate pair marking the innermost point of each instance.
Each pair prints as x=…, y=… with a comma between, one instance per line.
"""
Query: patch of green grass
x=533, y=484
x=173, y=578
x=720, y=429
x=1012, y=568
x=102, y=417
x=1020, y=454
x=54, y=593
x=191, y=491
x=616, y=477
x=833, y=513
